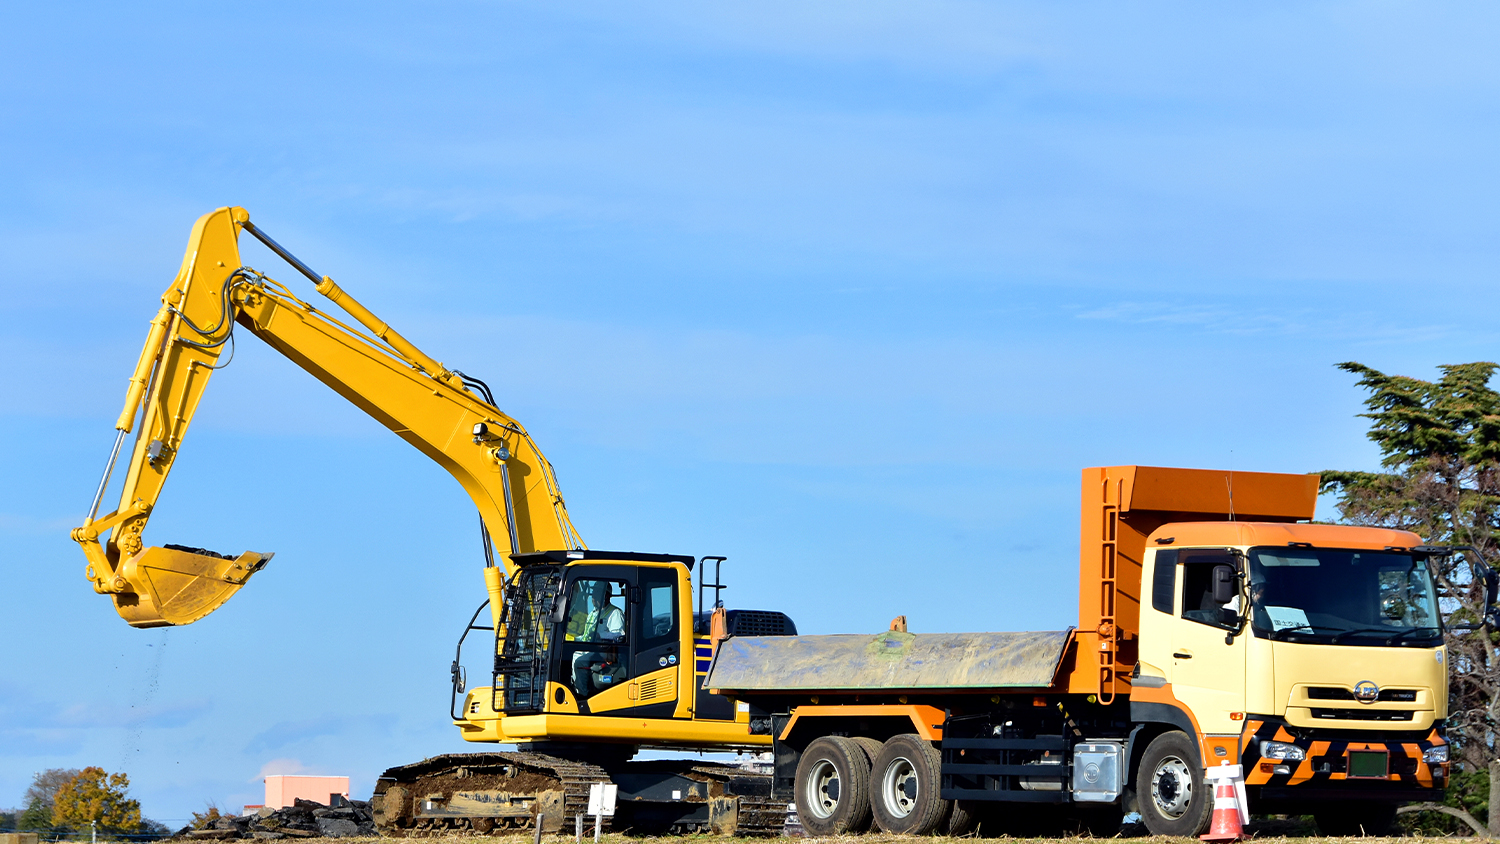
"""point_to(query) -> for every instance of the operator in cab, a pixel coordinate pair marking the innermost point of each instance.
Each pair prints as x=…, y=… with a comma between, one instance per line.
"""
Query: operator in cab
x=596, y=620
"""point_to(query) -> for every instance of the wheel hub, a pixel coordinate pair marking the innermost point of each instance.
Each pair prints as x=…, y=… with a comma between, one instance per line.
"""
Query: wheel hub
x=823, y=790
x=899, y=784
x=1172, y=787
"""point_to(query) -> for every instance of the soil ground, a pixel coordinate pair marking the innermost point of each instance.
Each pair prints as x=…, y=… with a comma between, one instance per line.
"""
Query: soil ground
x=1259, y=836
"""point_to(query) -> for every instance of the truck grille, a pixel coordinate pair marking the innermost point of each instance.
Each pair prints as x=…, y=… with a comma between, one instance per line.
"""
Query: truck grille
x=1336, y=693
x=1363, y=714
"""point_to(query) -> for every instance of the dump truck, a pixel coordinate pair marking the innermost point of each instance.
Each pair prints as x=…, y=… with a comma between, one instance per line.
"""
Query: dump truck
x=592, y=655
x=1216, y=625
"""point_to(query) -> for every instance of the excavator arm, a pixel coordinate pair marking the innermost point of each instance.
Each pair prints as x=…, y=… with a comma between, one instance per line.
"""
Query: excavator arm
x=435, y=409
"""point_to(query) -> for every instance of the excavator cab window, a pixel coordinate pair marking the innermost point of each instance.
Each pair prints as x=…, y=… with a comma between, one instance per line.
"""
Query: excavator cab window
x=597, y=636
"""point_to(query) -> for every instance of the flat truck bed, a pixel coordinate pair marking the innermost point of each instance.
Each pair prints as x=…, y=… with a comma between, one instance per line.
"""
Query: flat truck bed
x=889, y=661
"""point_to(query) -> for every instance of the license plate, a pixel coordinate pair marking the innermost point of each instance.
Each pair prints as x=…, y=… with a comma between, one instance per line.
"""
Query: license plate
x=1368, y=764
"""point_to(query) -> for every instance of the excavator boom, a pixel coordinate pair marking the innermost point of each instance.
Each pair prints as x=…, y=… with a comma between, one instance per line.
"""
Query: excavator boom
x=438, y=410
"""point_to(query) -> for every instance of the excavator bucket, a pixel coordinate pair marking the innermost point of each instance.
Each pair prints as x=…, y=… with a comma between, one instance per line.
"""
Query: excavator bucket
x=175, y=585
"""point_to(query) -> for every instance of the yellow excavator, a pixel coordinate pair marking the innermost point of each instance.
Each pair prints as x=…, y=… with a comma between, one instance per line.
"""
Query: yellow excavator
x=596, y=655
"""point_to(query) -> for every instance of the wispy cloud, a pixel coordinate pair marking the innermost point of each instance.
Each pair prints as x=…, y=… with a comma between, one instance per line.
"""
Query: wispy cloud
x=1223, y=317
x=298, y=733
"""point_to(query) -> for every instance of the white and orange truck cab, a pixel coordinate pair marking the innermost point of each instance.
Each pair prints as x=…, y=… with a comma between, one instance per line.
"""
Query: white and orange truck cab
x=1217, y=625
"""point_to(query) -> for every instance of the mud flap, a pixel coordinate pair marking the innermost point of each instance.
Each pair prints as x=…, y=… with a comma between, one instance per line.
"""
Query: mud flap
x=173, y=586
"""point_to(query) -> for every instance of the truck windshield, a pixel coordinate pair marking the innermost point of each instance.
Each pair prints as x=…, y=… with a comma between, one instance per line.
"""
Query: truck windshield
x=1343, y=597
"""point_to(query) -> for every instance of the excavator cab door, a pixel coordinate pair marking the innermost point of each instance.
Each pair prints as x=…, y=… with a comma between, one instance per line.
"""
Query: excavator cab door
x=593, y=653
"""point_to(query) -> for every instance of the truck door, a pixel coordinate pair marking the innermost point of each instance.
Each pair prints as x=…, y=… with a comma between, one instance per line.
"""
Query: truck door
x=1206, y=673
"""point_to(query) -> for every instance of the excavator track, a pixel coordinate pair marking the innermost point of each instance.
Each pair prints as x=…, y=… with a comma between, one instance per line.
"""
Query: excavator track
x=496, y=793
x=482, y=793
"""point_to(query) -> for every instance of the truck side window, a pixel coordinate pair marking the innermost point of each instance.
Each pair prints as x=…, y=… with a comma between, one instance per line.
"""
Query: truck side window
x=1163, y=578
x=1198, y=587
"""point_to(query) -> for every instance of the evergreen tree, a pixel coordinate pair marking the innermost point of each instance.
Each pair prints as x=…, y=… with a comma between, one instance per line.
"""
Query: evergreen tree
x=1440, y=447
x=36, y=817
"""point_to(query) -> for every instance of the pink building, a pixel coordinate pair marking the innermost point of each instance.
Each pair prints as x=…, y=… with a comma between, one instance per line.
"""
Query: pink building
x=282, y=789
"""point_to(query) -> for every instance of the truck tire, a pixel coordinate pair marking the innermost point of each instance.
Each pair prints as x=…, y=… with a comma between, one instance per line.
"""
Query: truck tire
x=962, y=819
x=904, y=790
x=833, y=787
x=870, y=746
x=1174, y=799
x=1364, y=817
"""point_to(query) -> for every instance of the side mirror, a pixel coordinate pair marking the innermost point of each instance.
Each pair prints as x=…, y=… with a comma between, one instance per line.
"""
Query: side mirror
x=559, y=609
x=1491, y=587
x=1226, y=582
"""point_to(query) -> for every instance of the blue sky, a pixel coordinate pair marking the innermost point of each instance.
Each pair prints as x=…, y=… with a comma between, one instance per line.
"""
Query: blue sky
x=848, y=292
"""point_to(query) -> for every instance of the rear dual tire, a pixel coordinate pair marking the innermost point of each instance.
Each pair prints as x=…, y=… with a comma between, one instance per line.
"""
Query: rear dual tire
x=904, y=789
x=833, y=787
x=844, y=783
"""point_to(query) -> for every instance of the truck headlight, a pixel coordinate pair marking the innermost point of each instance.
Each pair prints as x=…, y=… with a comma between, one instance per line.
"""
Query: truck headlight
x=1280, y=751
x=1434, y=755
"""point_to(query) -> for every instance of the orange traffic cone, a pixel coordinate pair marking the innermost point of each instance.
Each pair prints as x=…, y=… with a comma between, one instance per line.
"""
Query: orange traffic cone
x=1226, y=821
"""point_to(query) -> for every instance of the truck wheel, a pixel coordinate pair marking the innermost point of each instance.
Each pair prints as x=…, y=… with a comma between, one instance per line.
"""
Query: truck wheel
x=870, y=746
x=1174, y=799
x=904, y=787
x=1373, y=817
x=833, y=787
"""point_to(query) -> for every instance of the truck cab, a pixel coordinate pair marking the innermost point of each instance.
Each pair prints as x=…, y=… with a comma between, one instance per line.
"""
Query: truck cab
x=1321, y=670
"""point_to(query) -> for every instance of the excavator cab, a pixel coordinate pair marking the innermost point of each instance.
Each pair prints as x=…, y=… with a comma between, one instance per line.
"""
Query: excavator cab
x=592, y=632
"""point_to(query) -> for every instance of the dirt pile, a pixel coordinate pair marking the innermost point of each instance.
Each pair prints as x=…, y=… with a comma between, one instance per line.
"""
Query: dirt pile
x=302, y=819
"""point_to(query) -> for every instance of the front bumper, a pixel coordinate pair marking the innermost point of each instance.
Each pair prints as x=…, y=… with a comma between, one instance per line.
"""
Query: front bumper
x=1325, y=772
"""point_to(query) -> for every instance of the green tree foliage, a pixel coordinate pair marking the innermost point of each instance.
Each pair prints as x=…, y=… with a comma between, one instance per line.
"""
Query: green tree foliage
x=36, y=817
x=97, y=796
x=1440, y=446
